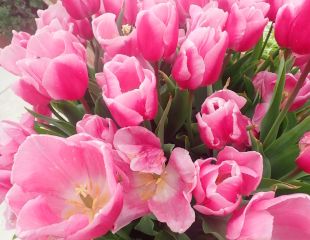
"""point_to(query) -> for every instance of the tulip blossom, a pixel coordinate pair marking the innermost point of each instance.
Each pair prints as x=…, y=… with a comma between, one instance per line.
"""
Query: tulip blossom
x=107, y=34
x=69, y=189
x=268, y=217
x=245, y=26
x=158, y=27
x=209, y=16
x=220, y=121
x=223, y=181
x=167, y=195
x=184, y=6
x=140, y=148
x=295, y=36
x=14, y=52
x=97, y=127
x=12, y=135
x=56, y=17
x=79, y=9
x=129, y=90
x=303, y=160
x=265, y=83
x=200, y=59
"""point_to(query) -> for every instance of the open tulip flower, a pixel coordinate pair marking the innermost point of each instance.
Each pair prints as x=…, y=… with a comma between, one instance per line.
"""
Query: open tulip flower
x=160, y=119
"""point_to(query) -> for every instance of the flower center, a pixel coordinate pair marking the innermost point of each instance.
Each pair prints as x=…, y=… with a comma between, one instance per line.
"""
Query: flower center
x=127, y=29
x=87, y=199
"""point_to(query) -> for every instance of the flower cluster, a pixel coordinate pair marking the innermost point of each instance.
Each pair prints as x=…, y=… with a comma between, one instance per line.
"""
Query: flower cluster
x=164, y=119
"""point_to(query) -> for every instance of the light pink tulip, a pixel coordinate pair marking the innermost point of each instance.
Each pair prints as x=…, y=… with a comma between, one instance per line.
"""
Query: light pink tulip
x=130, y=102
x=166, y=195
x=140, y=148
x=220, y=121
x=303, y=160
x=245, y=26
x=223, y=181
x=12, y=135
x=265, y=83
x=73, y=191
x=263, y=5
x=209, y=16
x=158, y=27
x=56, y=17
x=295, y=36
x=269, y=218
x=107, y=34
x=200, y=59
x=97, y=127
x=14, y=52
x=80, y=9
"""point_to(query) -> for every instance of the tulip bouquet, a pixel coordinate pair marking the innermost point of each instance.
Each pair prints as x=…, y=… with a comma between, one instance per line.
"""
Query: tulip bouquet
x=160, y=119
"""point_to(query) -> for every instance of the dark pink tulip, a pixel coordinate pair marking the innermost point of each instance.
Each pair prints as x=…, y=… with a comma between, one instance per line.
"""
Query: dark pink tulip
x=292, y=27
x=157, y=27
x=130, y=102
x=220, y=121
x=223, y=181
x=245, y=26
x=184, y=6
x=303, y=160
x=268, y=217
x=200, y=59
x=80, y=9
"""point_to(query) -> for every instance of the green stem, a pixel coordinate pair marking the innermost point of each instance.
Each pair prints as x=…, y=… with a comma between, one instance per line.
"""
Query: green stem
x=85, y=105
x=209, y=90
x=189, y=118
x=266, y=41
x=292, y=175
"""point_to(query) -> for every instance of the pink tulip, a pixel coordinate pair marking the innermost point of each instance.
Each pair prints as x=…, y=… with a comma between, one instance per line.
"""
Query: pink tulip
x=265, y=83
x=140, y=148
x=69, y=186
x=80, y=9
x=158, y=27
x=209, y=16
x=184, y=7
x=263, y=5
x=303, y=160
x=107, y=34
x=200, y=59
x=97, y=127
x=259, y=114
x=223, y=182
x=56, y=16
x=295, y=36
x=129, y=7
x=266, y=217
x=130, y=102
x=245, y=26
x=221, y=122
x=14, y=52
x=167, y=195
x=12, y=135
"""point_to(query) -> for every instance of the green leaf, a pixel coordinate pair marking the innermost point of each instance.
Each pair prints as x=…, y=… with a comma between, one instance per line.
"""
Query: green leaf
x=215, y=226
x=258, y=147
x=168, y=148
x=101, y=108
x=109, y=236
x=42, y=128
x=66, y=127
x=303, y=187
x=68, y=109
x=268, y=184
x=270, y=125
x=160, y=130
x=162, y=235
x=146, y=225
x=179, y=111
